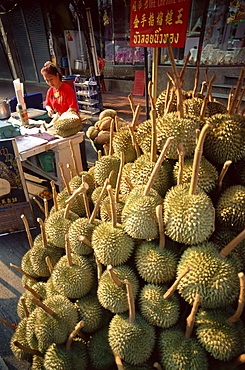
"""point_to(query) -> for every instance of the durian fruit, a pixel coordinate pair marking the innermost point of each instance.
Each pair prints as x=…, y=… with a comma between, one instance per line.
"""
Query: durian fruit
x=122, y=143
x=104, y=166
x=20, y=336
x=70, y=355
x=189, y=213
x=90, y=312
x=37, y=290
x=193, y=106
x=68, y=124
x=107, y=113
x=99, y=350
x=221, y=332
x=144, y=136
x=156, y=263
x=92, y=132
x=131, y=337
x=179, y=350
x=72, y=275
x=239, y=171
x=125, y=184
x=111, y=291
x=215, y=107
x=230, y=208
x=37, y=363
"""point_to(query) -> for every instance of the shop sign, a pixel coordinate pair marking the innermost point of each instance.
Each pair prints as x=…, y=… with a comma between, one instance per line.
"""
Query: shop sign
x=152, y=22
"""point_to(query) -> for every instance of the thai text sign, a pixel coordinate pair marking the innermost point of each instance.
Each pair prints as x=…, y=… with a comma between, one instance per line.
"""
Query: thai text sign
x=152, y=22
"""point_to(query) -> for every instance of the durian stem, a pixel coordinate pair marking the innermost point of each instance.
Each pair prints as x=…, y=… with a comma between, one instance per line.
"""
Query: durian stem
x=68, y=251
x=135, y=120
x=119, y=177
x=99, y=267
x=39, y=204
x=157, y=165
x=73, y=334
x=191, y=318
x=46, y=211
x=197, y=135
x=27, y=349
x=237, y=361
x=84, y=240
x=23, y=272
x=64, y=178
x=160, y=226
x=117, y=126
x=74, y=160
x=222, y=174
x=54, y=192
x=81, y=190
x=131, y=303
x=157, y=366
x=241, y=300
x=97, y=204
x=237, y=91
x=42, y=305
x=129, y=182
x=197, y=76
x=113, y=276
x=99, y=154
x=106, y=149
x=182, y=72
x=230, y=97
x=170, y=102
x=150, y=93
x=131, y=102
x=230, y=246
x=167, y=96
x=27, y=229
x=134, y=141
x=206, y=98
x=43, y=233
x=197, y=159
x=49, y=264
x=181, y=152
x=71, y=170
x=85, y=199
x=23, y=302
x=174, y=286
x=32, y=291
x=111, y=137
x=6, y=323
x=239, y=102
x=153, y=114
x=113, y=206
x=118, y=362
x=203, y=87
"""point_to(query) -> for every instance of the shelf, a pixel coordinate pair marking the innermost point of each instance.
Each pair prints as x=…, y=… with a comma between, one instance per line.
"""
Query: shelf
x=89, y=102
x=89, y=111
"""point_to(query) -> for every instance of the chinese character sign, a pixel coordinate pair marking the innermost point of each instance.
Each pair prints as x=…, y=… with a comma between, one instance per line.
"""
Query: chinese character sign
x=152, y=22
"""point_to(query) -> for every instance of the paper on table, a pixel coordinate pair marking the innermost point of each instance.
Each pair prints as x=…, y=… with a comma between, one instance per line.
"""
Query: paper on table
x=27, y=142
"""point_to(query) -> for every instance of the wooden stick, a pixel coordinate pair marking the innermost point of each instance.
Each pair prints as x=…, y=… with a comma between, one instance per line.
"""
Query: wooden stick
x=230, y=98
x=131, y=102
x=202, y=87
x=237, y=91
x=150, y=88
x=191, y=318
x=113, y=206
x=118, y=362
x=134, y=141
x=49, y=264
x=42, y=305
x=153, y=114
x=68, y=251
x=160, y=226
x=99, y=267
x=80, y=190
x=230, y=246
x=113, y=276
x=23, y=302
x=46, y=211
x=241, y=300
x=85, y=199
x=180, y=149
x=169, y=84
x=197, y=75
x=119, y=177
x=32, y=351
x=237, y=361
x=66, y=182
x=39, y=204
x=111, y=137
x=171, y=78
x=54, y=192
x=6, y=323
x=174, y=286
x=206, y=98
x=23, y=272
x=28, y=233
x=99, y=154
x=117, y=125
x=32, y=291
x=106, y=149
x=157, y=366
x=131, y=303
x=84, y=240
x=170, y=102
x=75, y=332
x=182, y=72
x=222, y=174
x=71, y=170
x=74, y=160
x=239, y=102
x=129, y=182
x=97, y=204
x=135, y=120
x=42, y=228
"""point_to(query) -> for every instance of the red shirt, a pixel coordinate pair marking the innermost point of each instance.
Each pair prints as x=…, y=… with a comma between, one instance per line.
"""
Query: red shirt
x=62, y=99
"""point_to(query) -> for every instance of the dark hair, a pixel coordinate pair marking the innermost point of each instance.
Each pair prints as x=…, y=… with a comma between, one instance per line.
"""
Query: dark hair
x=51, y=69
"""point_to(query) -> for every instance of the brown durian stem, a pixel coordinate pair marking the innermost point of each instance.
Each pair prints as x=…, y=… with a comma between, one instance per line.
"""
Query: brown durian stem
x=71, y=170
x=203, y=87
x=167, y=96
x=153, y=114
x=32, y=291
x=6, y=323
x=134, y=141
x=129, y=182
x=49, y=264
x=117, y=125
x=135, y=120
x=64, y=178
x=43, y=306
x=150, y=93
x=237, y=361
x=170, y=102
x=119, y=177
x=206, y=98
x=99, y=154
x=180, y=149
x=170, y=77
x=197, y=76
x=32, y=351
x=113, y=206
x=131, y=102
x=222, y=174
x=85, y=199
x=237, y=91
x=157, y=366
x=74, y=160
x=99, y=267
x=197, y=159
x=46, y=211
x=230, y=246
x=230, y=97
x=39, y=204
x=197, y=135
x=239, y=101
x=23, y=272
x=173, y=287
x=182, y=72
x=43, y=233
x=54, y=192
x=131, y=303
x=81, y=190
x=68, y=251
x=158, y=165
x=97, y=204
x=160, y=226
x=84, y=240
x=106, y=149
x=118, y=362
x=27, y=229
x=191, y=318
x=241, y=300
x=113, y=276
x=75, y=332
x=23, y=302
x=111, y=137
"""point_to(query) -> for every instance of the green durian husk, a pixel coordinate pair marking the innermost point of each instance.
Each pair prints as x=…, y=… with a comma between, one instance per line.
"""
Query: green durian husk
x=91, y=312
x=104, y=166
x=99, y=350
x=20, y=336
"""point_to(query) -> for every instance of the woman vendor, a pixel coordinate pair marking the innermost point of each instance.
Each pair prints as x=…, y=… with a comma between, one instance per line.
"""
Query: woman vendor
x=60, y=96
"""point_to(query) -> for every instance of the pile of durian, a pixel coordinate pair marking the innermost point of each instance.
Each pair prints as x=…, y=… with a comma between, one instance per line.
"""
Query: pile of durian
x=140, y=262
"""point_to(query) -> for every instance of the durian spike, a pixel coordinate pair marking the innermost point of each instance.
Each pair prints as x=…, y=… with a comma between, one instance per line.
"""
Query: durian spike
x=131, y=303
x=150, y=88
x=169, y=84
x=46, y=211
x=174, y=286
x=230, y=246
x=118, y=362
x=64, y=178
x=203, y=87
x=106, y=149
x=241, y=300
x=160, y=226
x=113, y=276
x=158, y=165
x=111, y=137
x=230, y=97
x=84, y=240
x=119, y=177
x=237, y=91
x=23, y=272
x=197, y=159
x=239, y=101
x=237, y=361
x=181, y=152
x=191, y=318
x=97, y=204
x=42, y=305
x=99, y=154
x=134, y=141
x=117, y=125
x=157, y=366
x=197, y=135
x=131, y=102
x=54, y=192
x=39, y=204
x=153, y=114
x=6, y=323
x=71, y=170
x=23, y=302
x=27, y=349
x=222, y=174
x=113, y=206
x=32, y=291
x=135, y=120
x=206, y=98
x=43, y=233
x=73, y=334
x=182, y=72
x=74, y=160
x=28, y=233
x=128, y=181
x=85, y=199
x=99, y=267
x=49, y=264
x=68, y=251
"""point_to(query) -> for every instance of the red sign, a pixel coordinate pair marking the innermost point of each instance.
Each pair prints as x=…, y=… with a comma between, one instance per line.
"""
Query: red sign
x=152, y=22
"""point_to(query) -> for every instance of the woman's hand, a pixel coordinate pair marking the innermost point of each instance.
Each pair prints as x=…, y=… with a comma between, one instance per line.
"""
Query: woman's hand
x=50, y=111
